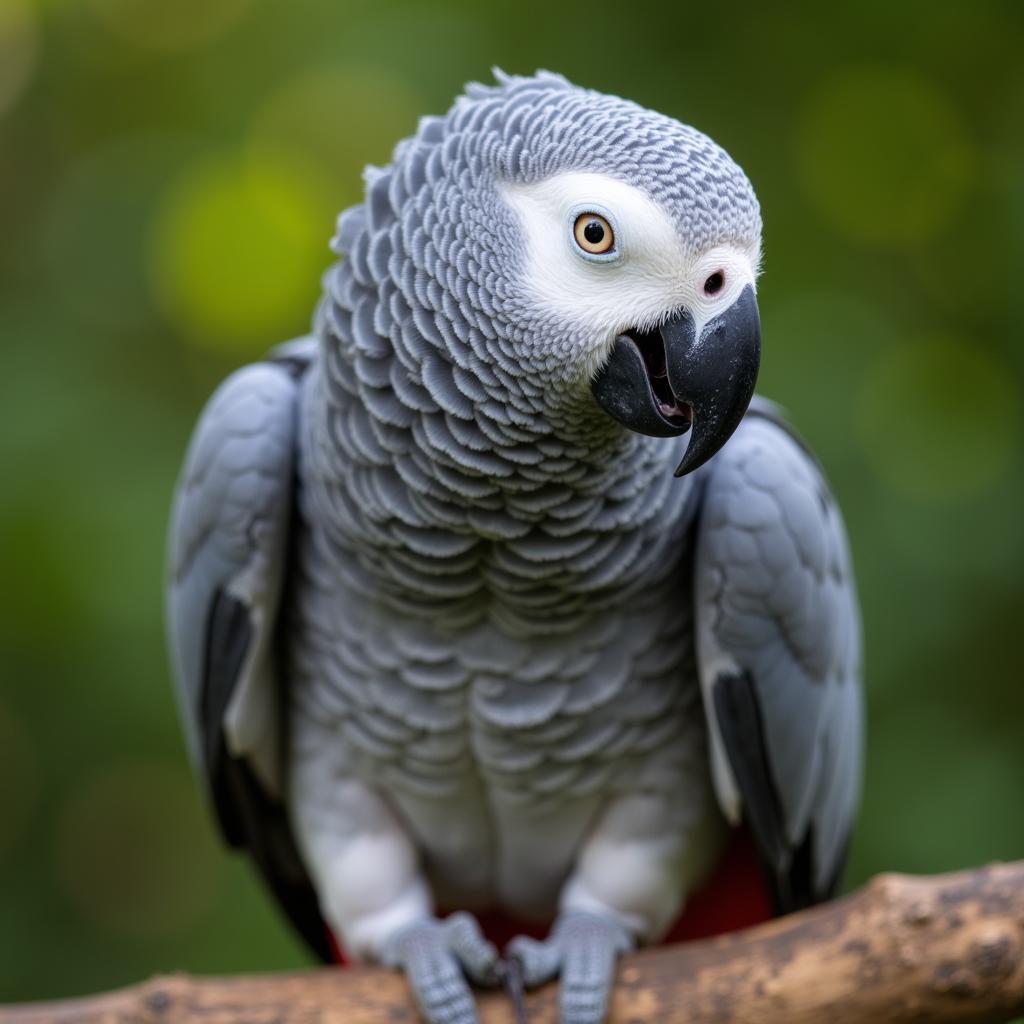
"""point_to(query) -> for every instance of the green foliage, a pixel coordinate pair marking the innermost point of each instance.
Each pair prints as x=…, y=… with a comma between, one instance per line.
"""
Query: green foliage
x=169, y=174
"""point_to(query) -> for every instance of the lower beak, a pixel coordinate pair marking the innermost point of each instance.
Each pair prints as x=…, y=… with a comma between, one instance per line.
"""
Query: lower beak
x=662, y=382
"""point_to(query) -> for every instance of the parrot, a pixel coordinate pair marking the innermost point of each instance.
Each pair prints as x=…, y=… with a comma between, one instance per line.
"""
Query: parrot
x=503, y=616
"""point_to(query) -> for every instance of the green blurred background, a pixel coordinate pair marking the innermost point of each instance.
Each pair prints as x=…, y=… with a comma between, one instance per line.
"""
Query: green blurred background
x=169, y=175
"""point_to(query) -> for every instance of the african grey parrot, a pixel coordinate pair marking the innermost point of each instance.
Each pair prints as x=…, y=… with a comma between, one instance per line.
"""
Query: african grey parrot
x=448, y=632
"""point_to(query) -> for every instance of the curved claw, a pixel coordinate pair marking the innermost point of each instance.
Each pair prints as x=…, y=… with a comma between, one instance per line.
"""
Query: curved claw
x=436, y=957
x=582, y=949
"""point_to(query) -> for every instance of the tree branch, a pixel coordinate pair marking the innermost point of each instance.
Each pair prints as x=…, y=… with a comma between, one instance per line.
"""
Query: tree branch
x=949, y=948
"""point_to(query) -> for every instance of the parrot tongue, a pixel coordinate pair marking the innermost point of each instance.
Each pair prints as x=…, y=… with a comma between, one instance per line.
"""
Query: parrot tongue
x=651, y=347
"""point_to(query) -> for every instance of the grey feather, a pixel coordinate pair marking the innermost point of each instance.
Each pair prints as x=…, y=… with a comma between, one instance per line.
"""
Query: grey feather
x=779, y=647
x=227, y=560
x=491, y=619
x=229, y=531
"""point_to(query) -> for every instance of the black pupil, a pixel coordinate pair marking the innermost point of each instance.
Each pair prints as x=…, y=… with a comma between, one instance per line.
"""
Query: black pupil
x=713, y=283
x=594, y=232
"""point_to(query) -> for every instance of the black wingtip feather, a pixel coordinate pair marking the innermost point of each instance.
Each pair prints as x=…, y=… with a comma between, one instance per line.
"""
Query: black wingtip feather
x=247, y=816
x=789, y=872
x=739, y=720
x=268, y=836
x=228, y=635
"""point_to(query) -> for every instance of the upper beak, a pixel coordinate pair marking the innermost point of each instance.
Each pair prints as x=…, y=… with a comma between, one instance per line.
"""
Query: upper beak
x=660, y=382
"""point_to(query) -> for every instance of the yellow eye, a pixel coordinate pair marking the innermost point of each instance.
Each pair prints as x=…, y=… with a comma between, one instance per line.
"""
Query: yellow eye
x=593, y=234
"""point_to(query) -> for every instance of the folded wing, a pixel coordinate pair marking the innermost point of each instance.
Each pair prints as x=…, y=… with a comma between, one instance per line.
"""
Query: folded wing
x=778, y=640
x=228, y=560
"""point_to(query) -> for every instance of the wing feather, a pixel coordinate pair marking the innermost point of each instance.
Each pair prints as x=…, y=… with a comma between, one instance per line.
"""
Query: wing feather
x=778, y=641
x=228, y=553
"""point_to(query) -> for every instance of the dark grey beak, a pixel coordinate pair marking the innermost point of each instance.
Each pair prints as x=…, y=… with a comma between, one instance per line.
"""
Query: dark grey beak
x=665, y=381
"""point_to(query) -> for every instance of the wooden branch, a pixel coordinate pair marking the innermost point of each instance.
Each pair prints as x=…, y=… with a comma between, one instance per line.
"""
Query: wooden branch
x=949, y=948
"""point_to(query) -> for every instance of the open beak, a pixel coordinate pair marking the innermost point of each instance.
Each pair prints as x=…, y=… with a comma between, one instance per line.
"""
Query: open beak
x=667, y=381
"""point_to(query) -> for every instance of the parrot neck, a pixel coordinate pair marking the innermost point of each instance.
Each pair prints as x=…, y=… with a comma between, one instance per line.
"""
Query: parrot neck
x=568, y=524
x=474, y=449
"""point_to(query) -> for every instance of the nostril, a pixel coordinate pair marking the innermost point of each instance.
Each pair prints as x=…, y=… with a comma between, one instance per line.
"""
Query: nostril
x=713, y=284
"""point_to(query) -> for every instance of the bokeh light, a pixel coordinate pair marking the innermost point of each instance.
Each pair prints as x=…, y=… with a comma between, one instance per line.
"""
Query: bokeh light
x=940, y=417
x=134, y=849
x=237, y=251
x=335, y=121
x=19, y=45
x=169, y=26
x=884, y=154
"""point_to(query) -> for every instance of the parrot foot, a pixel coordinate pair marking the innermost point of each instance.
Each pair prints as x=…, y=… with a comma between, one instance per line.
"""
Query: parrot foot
x=436, y=957
x=582, y=950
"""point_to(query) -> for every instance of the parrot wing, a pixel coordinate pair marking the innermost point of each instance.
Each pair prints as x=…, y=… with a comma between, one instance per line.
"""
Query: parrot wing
x=778, y=644
x=229, y=539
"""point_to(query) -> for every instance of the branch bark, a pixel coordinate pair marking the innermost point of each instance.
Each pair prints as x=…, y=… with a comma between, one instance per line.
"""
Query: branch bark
x=942, y=949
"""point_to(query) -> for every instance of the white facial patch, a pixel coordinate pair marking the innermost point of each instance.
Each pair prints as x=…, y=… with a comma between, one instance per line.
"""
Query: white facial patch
x=653, y=274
